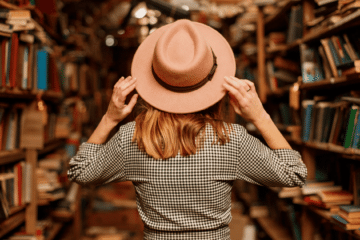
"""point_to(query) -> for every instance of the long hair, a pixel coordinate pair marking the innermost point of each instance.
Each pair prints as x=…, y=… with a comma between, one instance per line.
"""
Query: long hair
x=163, y=135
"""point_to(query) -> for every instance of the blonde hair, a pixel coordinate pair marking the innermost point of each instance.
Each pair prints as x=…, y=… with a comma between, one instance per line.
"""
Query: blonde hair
x=163, y=135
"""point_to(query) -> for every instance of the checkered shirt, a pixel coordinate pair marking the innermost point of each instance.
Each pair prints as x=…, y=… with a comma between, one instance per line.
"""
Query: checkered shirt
x=187, y=197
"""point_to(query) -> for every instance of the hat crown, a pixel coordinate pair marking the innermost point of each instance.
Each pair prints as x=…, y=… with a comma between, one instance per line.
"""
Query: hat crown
x=182, y=57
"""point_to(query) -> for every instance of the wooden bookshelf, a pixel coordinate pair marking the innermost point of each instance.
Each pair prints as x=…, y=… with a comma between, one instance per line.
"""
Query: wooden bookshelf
x=277, y=18
x=7, y=157
x=11, y=223
x=51, y=146
x=54, y=231
x=274, y=229
x=347, y=22
x=332, y=83
x=284, y=48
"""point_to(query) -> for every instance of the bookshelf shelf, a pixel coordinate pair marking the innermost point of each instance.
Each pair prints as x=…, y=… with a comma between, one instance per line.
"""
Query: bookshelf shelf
x=280, y=92
x=332, y=83
x=18, y=95
x=284, y=48
x=15, y=210
x=11, y=156
x=26, y=95
x=11, y=223
x=347, y=22
x=51, y=146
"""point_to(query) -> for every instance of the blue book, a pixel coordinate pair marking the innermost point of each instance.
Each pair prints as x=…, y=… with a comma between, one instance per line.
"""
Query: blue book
x=350, y=208
x=311, y=67
x=42, y=69
x=24, y=80
x=336, y=58
x=339, y=219
x=308, y=106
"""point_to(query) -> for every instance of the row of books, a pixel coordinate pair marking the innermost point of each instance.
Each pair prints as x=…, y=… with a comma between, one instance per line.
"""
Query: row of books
x=14, y=187
x=27, y=63
x=50, y=177
x=334, y=57
x=24, y=126
x=334, y=122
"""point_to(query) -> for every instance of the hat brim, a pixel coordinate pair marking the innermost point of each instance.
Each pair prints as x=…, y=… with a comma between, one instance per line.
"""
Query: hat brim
x=161, y=98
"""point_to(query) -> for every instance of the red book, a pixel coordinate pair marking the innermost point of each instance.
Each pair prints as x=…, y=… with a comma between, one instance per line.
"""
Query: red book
x=13, y=59
x=54, y=75
x=19, y=186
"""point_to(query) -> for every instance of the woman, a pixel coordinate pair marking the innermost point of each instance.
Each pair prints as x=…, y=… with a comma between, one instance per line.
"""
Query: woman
x=181, y=157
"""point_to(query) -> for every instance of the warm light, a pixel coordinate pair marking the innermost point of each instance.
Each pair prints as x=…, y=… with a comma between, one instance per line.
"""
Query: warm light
x=144, y=31
x=110, y=40
x=140, y=10
x=153, y=20
x=121, y=32
x=185, y=7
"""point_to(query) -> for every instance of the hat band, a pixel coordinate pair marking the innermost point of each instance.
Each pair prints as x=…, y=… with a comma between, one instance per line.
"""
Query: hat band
x=188, y=88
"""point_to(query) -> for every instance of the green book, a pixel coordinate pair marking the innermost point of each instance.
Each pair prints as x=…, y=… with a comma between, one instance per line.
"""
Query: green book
x=350, y=126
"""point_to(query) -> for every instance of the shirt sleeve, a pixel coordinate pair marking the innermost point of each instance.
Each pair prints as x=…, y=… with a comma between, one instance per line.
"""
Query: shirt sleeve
x=261, y=165
x=98, y=163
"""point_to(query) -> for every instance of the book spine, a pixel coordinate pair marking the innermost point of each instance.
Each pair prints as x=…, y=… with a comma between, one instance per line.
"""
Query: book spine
x=42, y=69
x=350, y=127
x=13, y=59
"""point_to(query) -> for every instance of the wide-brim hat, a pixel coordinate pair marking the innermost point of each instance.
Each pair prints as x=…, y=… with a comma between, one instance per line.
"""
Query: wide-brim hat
x=180, y=67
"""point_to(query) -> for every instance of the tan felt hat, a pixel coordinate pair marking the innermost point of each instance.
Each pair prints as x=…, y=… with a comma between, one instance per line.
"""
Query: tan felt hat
x=180, y=67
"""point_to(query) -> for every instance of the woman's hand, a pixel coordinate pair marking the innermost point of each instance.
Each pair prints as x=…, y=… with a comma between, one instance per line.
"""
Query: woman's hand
x=117, y=109
x=244, y=99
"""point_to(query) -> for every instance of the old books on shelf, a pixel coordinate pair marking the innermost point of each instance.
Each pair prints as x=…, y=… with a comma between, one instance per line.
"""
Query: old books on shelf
x=348, y=217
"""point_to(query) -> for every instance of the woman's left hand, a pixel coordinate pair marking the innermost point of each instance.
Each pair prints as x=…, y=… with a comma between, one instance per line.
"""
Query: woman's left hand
x=117, y=109
x=244, y=99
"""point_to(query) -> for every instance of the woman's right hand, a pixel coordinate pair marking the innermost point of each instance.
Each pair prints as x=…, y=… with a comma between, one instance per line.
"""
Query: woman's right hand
x=117, y=109
x=244, y=99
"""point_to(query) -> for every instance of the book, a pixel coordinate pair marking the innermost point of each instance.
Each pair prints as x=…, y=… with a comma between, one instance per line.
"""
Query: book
x=354, y=55
x=330, y=57
x=42, y=69
x=349, y=220
x=345, y=224
x=308, y=190
x=351, y=126
x=316, y=201
x=308, y=106
x=4, y=204
x=335, y=196
x=350, y=211
x=295, y=24
x=310, y=64
x=13, y=59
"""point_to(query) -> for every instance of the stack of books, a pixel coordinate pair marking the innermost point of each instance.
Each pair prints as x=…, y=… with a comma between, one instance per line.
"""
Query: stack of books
x=326, y=195
x=348, y=217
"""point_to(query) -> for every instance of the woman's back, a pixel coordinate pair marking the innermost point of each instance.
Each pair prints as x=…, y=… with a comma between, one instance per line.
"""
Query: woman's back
x=190, y=193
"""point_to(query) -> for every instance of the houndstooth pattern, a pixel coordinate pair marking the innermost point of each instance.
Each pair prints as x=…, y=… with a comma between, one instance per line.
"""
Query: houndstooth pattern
x=187, y=197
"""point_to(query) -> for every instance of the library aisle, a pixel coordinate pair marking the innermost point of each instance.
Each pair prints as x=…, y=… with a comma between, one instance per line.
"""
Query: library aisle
x=59, y=61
